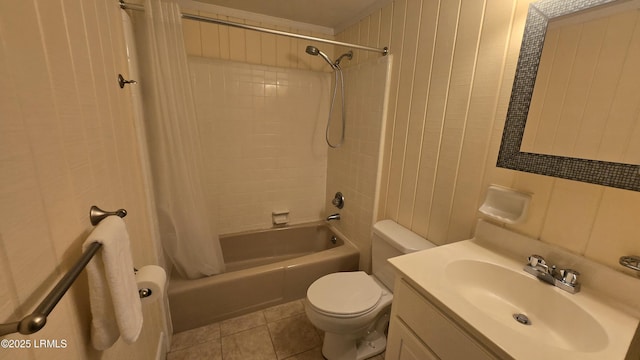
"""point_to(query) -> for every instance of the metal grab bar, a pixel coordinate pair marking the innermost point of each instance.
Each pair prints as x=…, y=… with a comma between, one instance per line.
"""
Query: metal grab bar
x=632, y=262
x=38, y=318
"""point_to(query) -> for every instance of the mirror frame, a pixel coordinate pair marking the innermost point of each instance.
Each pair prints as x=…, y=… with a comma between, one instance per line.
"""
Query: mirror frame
x=618, y=175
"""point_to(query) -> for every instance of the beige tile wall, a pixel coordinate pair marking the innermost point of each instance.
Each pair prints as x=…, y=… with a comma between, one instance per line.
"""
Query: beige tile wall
x=67, y=141
x=451, y=80
x=353, y=167
x=262, y=130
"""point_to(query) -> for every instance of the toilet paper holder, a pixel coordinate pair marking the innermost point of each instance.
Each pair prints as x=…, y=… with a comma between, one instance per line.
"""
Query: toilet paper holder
x=144, y=292
x=151, y=281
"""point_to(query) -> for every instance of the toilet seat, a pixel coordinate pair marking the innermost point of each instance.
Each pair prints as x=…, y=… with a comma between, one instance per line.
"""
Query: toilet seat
x=344, y=294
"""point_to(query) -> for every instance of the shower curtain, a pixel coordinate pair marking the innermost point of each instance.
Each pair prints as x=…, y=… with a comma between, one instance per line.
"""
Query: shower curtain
x=188, y=238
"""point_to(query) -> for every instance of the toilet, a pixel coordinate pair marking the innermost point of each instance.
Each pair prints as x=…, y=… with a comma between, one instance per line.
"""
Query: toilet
x=353, y=308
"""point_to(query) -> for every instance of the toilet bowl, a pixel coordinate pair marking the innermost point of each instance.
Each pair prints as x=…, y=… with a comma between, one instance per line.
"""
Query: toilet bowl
x=353, y=308
x=350, y=306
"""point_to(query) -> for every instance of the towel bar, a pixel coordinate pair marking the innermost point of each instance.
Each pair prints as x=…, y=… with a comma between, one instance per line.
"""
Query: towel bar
x=38, y=318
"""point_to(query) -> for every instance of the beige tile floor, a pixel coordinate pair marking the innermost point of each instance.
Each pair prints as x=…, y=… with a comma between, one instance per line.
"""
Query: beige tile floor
x=276, y=333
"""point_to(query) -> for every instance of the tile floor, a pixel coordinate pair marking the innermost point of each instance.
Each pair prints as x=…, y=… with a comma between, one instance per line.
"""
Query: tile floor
x=276, y=333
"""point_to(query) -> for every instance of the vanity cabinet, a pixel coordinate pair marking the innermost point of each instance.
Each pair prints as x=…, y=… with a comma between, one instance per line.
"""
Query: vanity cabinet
x=418, y=330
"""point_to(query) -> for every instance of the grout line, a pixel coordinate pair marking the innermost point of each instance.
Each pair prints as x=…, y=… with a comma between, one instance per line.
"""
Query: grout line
x=265, y=324
x=271, y=337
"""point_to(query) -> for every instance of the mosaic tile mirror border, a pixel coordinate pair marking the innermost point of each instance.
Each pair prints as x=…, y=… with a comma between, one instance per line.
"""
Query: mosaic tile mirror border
x=618, y=175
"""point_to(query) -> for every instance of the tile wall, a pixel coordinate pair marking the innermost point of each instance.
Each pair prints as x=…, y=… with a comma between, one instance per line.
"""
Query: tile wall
x=67, y=141
x=262, y=130
x=454, y=63
x=353, y=168
x=347, y=164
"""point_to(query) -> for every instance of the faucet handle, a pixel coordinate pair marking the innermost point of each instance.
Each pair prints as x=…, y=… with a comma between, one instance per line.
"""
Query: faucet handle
x=569, y=276
x=538, y=263
x=535, y=260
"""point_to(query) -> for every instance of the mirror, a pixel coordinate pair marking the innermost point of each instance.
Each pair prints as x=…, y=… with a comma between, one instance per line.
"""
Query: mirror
x=558, y=127
x=586, y=100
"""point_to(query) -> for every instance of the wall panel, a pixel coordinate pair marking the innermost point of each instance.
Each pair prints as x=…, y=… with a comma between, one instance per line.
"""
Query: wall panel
x=439, y=78
x=67, y=141
x=480, y=113
x=469, y=85
x=229, y=43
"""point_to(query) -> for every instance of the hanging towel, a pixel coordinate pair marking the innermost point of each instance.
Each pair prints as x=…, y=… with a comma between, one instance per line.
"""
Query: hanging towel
x=113, y=292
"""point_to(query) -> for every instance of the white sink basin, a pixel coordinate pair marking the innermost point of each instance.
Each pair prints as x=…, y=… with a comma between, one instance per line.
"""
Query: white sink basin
x=500, y=292
x=480, y=286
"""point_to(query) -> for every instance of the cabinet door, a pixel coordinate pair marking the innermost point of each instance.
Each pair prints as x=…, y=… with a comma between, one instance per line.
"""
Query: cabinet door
x=444, y=337
x=402, y=344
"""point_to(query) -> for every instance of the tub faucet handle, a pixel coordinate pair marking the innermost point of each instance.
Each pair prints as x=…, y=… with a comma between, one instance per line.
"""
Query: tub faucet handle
x=335, y=216
x=338, y=200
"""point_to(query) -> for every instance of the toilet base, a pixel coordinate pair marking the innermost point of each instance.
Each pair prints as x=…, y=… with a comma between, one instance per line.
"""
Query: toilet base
x=339, y=347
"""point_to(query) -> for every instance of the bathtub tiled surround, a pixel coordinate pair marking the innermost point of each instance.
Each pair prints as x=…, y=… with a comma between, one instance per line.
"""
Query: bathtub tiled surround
x=354, y=167
x=276, y=333
x=262, y=133
x=267, y=149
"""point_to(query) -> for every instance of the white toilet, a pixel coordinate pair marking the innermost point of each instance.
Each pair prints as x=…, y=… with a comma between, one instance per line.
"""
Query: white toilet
x=353, y=307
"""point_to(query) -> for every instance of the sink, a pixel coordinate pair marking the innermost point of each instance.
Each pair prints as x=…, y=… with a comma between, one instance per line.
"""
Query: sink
x=502, y=293
x=480, y=284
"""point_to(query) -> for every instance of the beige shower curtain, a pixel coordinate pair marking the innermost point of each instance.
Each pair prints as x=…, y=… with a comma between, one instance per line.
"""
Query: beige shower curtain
x=188, y=237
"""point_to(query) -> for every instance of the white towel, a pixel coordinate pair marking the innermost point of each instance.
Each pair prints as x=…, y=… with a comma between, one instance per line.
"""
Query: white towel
x=113, y=292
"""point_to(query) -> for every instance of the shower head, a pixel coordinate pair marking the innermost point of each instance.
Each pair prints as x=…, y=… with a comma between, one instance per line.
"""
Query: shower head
x=312, y=50
x=348, y=55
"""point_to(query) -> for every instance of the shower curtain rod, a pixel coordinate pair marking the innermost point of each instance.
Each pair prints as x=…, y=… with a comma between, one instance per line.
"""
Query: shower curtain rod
x=383, y=51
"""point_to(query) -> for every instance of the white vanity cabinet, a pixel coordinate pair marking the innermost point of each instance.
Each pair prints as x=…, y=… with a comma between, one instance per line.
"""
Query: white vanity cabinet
x=458, y=302
x=418, y=330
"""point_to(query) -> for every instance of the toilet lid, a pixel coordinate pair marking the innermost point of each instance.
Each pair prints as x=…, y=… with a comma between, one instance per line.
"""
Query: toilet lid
x=344, y=293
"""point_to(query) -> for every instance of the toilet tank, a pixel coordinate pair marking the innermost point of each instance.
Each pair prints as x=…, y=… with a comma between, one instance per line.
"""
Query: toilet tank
x=390, y=239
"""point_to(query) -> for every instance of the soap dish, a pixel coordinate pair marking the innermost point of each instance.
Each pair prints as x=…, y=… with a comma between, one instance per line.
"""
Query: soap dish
x=505, y=205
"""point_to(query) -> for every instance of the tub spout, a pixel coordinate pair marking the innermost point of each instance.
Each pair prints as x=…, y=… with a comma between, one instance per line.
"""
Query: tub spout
x=335, y=216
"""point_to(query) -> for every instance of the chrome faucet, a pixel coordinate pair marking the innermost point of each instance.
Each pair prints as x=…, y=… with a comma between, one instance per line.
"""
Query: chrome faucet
x=565, y=279
x=335, y=216
x=538, y=267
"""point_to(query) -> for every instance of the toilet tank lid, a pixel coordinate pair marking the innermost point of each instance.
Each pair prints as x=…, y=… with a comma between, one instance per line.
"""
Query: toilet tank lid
x=400, y=237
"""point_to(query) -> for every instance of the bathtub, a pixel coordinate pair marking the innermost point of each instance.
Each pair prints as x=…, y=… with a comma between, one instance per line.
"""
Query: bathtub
x=263, y=268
